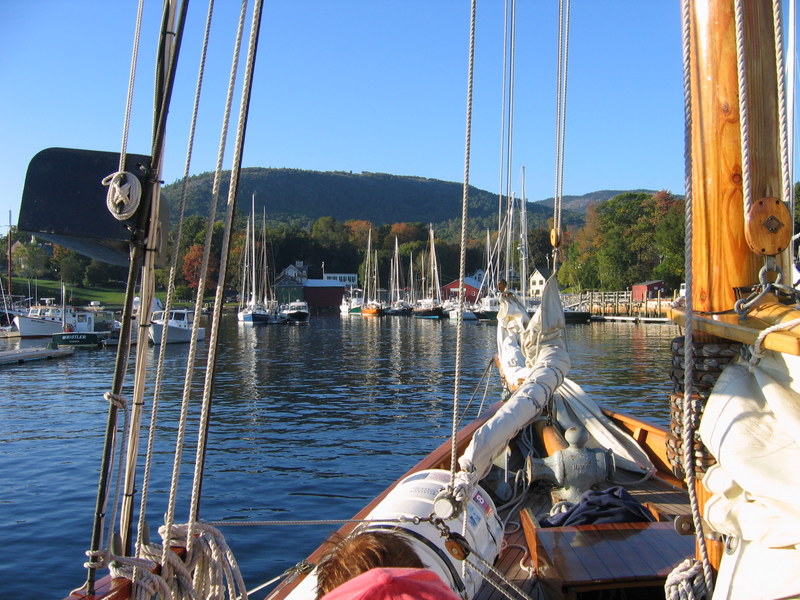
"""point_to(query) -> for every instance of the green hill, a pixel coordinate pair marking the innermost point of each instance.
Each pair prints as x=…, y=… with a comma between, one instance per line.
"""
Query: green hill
x=579, y=204
x=300, y=197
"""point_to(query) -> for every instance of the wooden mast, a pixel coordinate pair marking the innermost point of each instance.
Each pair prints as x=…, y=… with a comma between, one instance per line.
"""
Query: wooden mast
x=723, y=259
x=725, y=252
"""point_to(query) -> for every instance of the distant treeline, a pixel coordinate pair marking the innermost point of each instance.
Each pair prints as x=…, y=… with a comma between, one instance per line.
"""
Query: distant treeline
x=612, y=241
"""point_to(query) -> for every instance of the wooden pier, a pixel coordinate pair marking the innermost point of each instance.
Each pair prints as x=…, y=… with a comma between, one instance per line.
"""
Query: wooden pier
x=619, y=306
x=16, y=357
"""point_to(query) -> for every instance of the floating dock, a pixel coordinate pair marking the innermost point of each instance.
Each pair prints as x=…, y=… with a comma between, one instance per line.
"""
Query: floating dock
x=16, y=357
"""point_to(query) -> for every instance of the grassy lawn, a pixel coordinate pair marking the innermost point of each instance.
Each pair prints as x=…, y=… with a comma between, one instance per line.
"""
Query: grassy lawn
x=110, y=296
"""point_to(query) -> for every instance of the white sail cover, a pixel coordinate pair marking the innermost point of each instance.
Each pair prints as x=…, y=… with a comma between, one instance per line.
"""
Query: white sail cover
x=533, y=353
x=573, y=407
x=751, y=424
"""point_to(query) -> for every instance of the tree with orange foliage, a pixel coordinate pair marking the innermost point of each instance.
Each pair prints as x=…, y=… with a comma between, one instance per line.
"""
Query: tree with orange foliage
x=406, y=232
x=358, y=231
x=193, y=261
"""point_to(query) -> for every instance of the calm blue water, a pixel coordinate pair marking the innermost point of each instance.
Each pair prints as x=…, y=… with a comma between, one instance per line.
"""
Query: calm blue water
x=308, y=423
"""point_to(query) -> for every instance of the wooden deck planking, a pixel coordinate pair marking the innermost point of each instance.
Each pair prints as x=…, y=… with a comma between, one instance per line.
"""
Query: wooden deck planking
x=572, y=559
x=508, y=562
x=604, y=556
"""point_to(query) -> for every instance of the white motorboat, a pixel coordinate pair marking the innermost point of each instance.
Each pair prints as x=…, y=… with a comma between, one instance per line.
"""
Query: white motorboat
x=179, y=326
x=296, y=312
x=45, y=319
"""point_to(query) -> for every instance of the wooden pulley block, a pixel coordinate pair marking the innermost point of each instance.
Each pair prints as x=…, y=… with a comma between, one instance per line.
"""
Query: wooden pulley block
x=768, y=226
x=555, y=238
x=457, y=545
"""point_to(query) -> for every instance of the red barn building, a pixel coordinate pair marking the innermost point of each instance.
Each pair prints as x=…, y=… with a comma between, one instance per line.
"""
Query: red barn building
x=471, y=289
x=647, y=290
x=323, y=295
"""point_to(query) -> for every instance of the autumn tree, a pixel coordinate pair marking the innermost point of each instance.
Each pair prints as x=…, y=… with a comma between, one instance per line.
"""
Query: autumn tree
x=578, y=257
x=358, y=232
x=192, y=263
x=405, y=232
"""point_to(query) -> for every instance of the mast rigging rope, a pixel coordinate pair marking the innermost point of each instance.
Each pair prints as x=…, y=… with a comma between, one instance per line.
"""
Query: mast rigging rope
x=744, y=117
x=171, y=499
x=685, y=577
x=782, y=113
x=561, y=118
x=462, y=259
x=218, y=298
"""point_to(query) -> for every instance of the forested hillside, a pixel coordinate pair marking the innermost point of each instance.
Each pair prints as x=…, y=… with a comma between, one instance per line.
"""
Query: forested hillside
x=299, y=198
x=612, y=240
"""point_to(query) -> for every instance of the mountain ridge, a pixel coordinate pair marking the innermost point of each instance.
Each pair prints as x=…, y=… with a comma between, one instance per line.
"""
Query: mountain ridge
x=300, y=197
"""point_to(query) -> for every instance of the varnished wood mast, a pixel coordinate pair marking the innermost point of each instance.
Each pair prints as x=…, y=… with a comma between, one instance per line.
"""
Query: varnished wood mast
x=722, y=258
x=729, y=245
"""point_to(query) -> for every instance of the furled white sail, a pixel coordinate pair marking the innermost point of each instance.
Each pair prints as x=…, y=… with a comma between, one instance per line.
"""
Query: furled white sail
x=532, y=352
x=533, y=355
x=751, y=425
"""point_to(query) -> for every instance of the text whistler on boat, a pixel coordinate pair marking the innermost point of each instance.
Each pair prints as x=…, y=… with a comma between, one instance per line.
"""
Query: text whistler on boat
x=546, y=494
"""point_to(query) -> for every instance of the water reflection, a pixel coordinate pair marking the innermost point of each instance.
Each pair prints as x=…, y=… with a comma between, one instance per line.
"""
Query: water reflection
x=307, y=422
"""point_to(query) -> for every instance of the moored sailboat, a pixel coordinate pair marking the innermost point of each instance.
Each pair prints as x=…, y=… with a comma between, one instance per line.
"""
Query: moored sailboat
x=372, y=306
x=398, y=301
x=255, y=310
x=429, y=306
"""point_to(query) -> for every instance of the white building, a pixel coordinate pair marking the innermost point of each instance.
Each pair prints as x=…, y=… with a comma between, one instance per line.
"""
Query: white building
x=349, y=280
x=537, y=280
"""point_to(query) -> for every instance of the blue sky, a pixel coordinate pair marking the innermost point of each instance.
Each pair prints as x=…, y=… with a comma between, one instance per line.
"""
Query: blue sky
x=361, y=85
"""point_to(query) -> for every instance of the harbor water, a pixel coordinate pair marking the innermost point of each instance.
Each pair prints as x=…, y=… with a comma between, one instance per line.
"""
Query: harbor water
x=308, y=423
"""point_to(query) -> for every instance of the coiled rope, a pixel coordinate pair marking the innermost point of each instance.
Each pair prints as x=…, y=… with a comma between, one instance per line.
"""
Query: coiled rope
x=209, y=571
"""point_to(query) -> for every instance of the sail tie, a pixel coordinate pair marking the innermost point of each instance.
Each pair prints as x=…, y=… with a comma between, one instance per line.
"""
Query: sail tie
x=115, y=400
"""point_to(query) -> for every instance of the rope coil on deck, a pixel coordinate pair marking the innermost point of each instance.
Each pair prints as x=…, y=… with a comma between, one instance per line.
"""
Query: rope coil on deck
x=209, y=570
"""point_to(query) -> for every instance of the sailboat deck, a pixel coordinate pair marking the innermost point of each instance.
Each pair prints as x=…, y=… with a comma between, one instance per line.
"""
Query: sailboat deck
x=569, y=561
